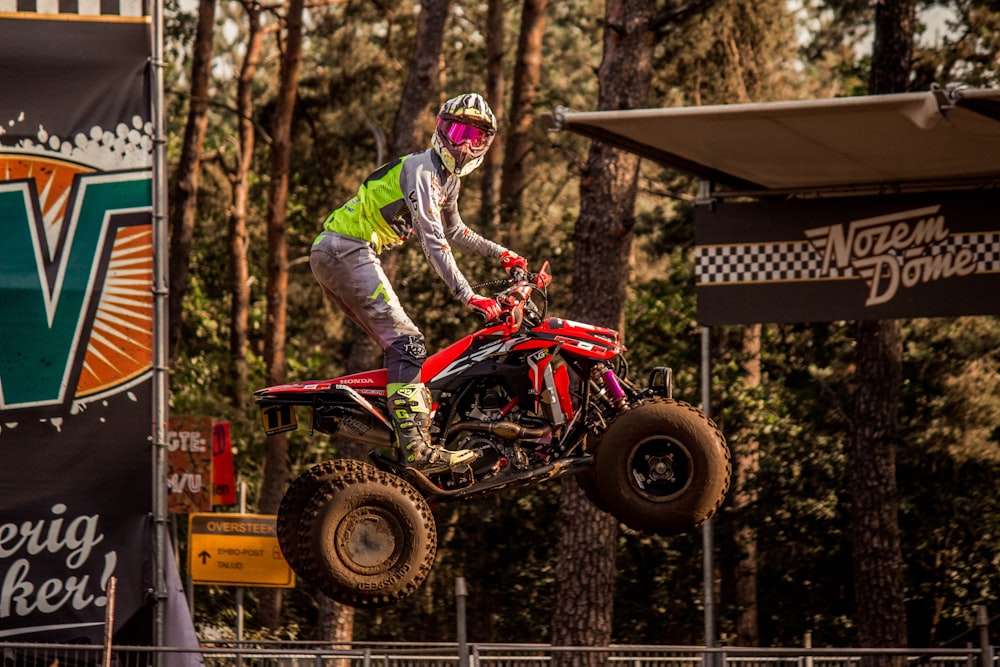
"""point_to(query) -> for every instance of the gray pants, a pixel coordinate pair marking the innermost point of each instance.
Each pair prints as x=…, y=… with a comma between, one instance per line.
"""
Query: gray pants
x=351, y=275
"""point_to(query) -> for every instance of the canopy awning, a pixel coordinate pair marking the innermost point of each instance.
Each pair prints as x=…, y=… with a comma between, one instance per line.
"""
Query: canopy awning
x=940, y=138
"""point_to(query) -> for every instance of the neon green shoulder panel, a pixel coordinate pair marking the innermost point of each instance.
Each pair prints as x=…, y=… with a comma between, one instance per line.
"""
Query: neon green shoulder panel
x=367, y=215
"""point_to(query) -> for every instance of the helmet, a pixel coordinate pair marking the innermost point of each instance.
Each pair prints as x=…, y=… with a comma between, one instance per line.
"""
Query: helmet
x=465, y=130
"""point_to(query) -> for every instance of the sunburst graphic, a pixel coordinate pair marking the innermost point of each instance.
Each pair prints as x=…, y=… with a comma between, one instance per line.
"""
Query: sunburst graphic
x=121, y=343
x=120, y=347
x=53, y=179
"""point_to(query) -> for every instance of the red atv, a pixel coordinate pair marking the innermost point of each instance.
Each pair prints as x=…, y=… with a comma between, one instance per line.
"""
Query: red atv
x=537, y=397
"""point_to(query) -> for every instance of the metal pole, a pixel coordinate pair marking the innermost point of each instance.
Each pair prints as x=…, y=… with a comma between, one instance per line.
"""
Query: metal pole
x=463, y=641
x=239, y=591
x=109, y=620
x=707, y=535
x=161, y=377
x=983, y=623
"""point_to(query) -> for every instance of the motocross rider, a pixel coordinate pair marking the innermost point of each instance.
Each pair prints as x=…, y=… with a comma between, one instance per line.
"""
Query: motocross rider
x=414, y=195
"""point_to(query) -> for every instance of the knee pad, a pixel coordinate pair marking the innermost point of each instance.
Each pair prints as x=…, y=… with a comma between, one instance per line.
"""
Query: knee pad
x=404, y=357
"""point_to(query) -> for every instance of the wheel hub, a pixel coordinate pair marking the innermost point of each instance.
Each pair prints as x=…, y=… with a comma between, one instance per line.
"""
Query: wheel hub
x=370, y=540
x=660, y=468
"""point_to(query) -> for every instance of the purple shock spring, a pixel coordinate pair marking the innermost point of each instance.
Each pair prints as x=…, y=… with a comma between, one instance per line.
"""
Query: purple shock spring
x=611, y=382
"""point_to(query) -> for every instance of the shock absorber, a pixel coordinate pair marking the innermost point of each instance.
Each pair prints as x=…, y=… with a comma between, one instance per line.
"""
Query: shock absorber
x=603, y=375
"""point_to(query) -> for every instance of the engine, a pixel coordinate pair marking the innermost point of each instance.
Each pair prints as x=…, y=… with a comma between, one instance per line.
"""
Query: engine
x=508, y=441
x=496, y=455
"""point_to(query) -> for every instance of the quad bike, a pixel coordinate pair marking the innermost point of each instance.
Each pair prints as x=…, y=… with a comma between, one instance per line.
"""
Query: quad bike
x=537, y=397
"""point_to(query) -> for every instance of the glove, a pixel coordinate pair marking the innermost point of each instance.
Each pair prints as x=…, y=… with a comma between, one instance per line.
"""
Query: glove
x=487, y=307
x=512, y=262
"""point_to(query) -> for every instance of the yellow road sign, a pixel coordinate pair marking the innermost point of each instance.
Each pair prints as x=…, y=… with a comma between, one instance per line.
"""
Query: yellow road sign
x=236, y=549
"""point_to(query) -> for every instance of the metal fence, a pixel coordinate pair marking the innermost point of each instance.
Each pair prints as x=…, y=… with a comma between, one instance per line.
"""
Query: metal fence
x=285, y=654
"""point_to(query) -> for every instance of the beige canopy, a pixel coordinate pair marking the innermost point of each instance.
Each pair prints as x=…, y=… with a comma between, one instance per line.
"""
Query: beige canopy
x=908, y=141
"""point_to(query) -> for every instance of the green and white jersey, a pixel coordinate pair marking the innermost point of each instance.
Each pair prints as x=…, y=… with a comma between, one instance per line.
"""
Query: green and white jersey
x=414, y=194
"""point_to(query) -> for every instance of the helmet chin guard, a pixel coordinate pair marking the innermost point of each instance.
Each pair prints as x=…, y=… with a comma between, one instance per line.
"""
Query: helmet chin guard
x=465, y=130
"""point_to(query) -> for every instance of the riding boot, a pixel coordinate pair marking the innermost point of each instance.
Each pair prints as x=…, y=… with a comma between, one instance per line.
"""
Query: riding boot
x=410, y=409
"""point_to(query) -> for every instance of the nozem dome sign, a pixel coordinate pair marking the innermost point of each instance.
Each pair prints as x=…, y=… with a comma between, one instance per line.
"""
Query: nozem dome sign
x=869, y=207
x=880, y=257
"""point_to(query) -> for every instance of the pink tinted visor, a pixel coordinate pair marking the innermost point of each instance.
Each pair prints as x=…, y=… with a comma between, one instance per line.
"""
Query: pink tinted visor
x=459, y=133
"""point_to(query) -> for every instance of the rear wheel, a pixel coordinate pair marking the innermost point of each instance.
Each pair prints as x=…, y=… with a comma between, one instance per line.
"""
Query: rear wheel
x=297, y=496
x=369, y=538
x=663, y=467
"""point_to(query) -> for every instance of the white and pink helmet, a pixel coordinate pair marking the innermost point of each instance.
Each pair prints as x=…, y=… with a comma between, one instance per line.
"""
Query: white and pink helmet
x=465, y=130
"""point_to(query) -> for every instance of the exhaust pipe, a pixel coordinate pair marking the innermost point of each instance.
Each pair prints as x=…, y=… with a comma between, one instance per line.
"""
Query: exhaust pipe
x=506, y=430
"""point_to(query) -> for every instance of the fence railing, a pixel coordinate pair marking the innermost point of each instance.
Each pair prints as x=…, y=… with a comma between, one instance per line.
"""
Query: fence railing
x=306, y=654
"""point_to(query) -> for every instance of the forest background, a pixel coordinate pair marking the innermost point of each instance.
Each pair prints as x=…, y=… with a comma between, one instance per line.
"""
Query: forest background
x=277, y=112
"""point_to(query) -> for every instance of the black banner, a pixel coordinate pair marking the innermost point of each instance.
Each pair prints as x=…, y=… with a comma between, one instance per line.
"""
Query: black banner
x=849, y=258
x=76, y=274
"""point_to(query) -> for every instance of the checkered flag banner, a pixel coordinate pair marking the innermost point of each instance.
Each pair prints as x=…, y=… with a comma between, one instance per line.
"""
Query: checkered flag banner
x=760, y=262
x=80, y=8
x=796, y=261
x=850, y=258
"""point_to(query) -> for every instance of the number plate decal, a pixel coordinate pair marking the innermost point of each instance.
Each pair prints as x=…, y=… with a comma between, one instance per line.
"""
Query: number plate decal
x=278, y=418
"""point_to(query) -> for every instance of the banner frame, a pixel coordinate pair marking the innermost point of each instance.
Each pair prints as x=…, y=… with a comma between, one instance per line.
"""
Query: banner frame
x=161, y=361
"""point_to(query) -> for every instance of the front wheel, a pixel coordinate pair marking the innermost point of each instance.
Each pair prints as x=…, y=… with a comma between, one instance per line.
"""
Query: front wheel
x=369, y=538
x=663, y=467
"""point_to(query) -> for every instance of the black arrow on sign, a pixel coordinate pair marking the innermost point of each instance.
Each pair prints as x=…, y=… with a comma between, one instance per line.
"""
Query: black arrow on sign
x=204, y=556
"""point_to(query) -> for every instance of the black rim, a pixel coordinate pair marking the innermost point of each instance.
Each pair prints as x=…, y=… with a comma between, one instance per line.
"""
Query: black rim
x=659, y=468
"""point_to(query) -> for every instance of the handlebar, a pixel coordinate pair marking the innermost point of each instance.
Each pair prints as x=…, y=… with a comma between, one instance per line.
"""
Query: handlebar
x=517, y=294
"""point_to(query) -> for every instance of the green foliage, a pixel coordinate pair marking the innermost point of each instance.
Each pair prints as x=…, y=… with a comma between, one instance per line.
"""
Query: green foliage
x=947, y=468
x=735, y=51
x=354, y=69
x=957, y=41
x=658, y=596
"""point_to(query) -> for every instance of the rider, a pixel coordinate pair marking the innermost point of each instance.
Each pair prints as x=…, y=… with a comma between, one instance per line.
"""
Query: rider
x=416, y=194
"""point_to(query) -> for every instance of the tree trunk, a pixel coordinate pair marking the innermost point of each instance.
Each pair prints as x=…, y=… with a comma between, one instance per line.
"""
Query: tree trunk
x=493, y=164
x=409, y=134
x=877, y=556
x=239, y=271
x=336, y=627
x=276, y=458
x=584, y=578
x=892, y=54
x=602, y=247
x=185, y=193
x=876, y=551
x=527, y=68
x=416, y=106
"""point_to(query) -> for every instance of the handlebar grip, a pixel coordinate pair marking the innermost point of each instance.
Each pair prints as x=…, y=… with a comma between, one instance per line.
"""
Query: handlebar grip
x=518, y=273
